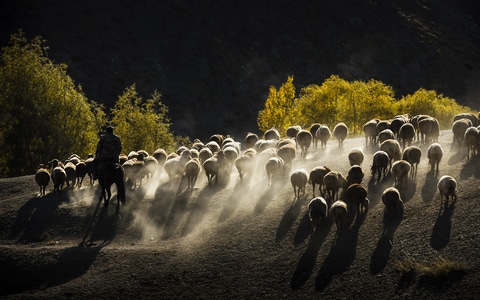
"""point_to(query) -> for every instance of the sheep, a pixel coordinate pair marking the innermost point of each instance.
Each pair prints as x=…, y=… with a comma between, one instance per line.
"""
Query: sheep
x=58, y=175
x=406, y=134
x=384, y=135
x=355, y=157
x=160, y=155
x=175, y=166
x=316, y=177
x=333, y=181
x=81, y=170
x=323, y=134
x=42, y=178
x=204, y=154
x=250, y=140
x=262, y=145
x=217, y=138
x=292, y=131
x=339, y=211
x=380, y=163
x=340, y=132
x=370, y=130
x=286, y=141
x=382, y=125
x=151, y=166
x=213, y=145
x=459, y=127
x=274, y=168
x=472, y=141
x=447, y=187
x=313, y=130
x=272, y=134
x=245, y=163
x=70, y=170
x=396, y=123
x=434, y=155
x=415, y=121
x=192, y=168
x=472, y=117
x=393, y=202
x=317, y=212
x=299, y=179
x=231, y=154
x=400, y=170
x=357, y=196
x=304, y=140
x=429, y=129
x=412, y=154
x=288, y=154
x=197, y=145
x=90, y=167
x=215, y=168
x=393, y=149
x=355, y=175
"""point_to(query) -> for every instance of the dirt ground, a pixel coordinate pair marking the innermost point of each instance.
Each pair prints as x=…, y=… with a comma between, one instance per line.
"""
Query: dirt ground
x=240, y=240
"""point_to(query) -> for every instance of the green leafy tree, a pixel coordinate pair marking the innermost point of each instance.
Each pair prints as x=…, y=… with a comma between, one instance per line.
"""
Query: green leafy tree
x=44, y=114
x=142, y=124
x=278, y=111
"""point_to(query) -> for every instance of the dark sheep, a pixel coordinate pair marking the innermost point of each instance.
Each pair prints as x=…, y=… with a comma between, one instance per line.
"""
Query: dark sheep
x=412, y=154
x=340, y=132
x=357, y=197
x=406, y=134
x=370, y=131
x=472, y=142
x=380, y=164
x=323, y=134
x=42, y=178
x=304, y=140
x=459, y=127
x=355, y=175
x=272, y=134
x=317, y=212
x=434, y=155
x=316, y=177
x=292, y=131
x=250, y=140
x=299, y=179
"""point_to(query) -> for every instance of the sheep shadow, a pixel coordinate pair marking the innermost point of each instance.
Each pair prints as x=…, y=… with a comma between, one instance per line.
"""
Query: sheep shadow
x=430, y=187
x=164, y=206
x=307, y=261
x=470, y=168
x=376, y=188
x=304, y=230
x=36, y=216
x=199, y=208
x=341, y=255
x=289, y=218
x=443, y=227
x=176, y=213
x=407, y=192
x=267, y=196
x=382, y=251
x=239, y=192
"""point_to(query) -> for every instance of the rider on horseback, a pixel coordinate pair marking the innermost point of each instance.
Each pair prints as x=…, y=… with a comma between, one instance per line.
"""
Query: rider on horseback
x=109, y=148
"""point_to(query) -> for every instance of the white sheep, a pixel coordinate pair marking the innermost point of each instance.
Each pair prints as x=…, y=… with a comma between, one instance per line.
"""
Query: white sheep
x=339, y=212
x=393, y=149
x=313, y=130
x=386, y=134
x=472, y=140
x=304, y=140
x=400, y=170
x=317, y=212
x=288, y=153
x=274, y=168
x=356, y=156
x=412, y=154
x=316, y=177
x=245, y=163
x=192, y=168
x=299, y=179
x=216, y=168
x=340, y=132
x=434, y=155
x=58, y=175
x=71, y=171
x=292, y=131
x=323, y=134
x=272, y=134
x=250, y=140
x=447, y=187
x=175, y=166
x=370, y=130
x=459, y=127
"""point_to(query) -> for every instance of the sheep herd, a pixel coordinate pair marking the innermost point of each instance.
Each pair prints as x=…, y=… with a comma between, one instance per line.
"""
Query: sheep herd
x=335, y=195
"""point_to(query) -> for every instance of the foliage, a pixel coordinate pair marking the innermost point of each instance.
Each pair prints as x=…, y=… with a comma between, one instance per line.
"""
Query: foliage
x=278, y=109
x=354, y=103
x=44, y=115
x=142, y=124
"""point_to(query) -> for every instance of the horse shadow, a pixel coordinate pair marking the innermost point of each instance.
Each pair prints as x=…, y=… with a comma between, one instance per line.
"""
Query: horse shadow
x=36, y=216
x=443, y=227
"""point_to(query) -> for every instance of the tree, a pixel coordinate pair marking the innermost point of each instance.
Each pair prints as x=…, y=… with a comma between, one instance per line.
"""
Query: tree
x=278, y=108
x=44, y=114
x=142, y=124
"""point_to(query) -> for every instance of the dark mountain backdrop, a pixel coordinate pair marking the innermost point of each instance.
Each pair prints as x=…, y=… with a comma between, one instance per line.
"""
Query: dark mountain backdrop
x=213, y=61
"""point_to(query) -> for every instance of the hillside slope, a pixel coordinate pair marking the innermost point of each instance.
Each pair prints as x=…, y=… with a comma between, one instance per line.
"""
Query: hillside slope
x=239, y=241
x=222, y=57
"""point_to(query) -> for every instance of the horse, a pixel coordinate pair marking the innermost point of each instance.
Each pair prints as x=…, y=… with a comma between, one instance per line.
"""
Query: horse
x=110, y=172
